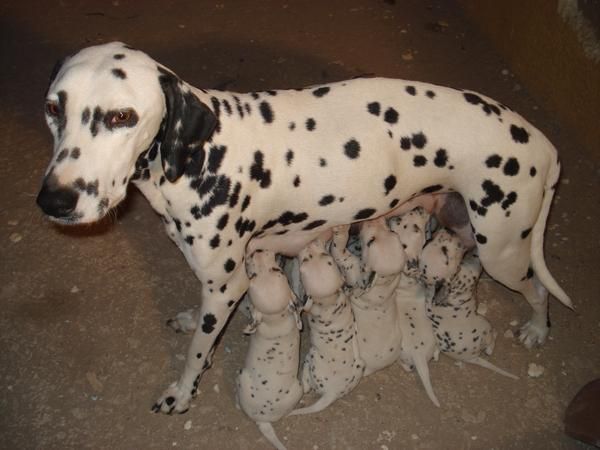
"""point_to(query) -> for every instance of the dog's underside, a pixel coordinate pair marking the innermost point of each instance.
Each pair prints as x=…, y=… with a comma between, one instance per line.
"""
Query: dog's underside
x=281, y=167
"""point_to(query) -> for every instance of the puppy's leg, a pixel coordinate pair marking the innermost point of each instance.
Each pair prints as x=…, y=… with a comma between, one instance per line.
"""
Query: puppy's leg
x=213, y=314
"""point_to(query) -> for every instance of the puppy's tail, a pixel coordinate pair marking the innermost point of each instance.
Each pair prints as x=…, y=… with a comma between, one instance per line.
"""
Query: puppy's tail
x=488, y=365
x=537, y=238
x=423, y=371
x=266, y=428
x=317, y=406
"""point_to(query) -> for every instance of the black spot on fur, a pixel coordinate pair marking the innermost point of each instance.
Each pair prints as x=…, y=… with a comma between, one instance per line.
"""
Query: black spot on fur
x=314, y=224
x=419, y=140
x=119, y=73
x=289, y=157
x=511, y=168
x=326, y=200
x=320, y=92
x=235, y=195
x=519, y=134
x=258, y=173
x=352, y=149
x=411, y=90
x=85, y=116
x=208, y=323
x=227, y=107
x=441, y=158
x=532, y=171
x=119, y=56
x=430, y=94
x=389, y=183
x=433, y=188
x=244, y=225
x=493, y=193
x=222, y=223
x=480, y=238
x=493, y=161
x=292, y=126
x=374, y=108
x=215, y=241
x=229, y=265
x=97, y=119
x=475, y=99
x=525, y=233
x=75, y=153
x=391, y=116
x=266, y=112
x=405, y=143
x=189, y=240
x=296, y=181
x=364, y=213
x=310, y=124
x=62, y=155
x=322, y=162
x=245, y=203
x=419, y=161
x=394, y=203
x=511, y=197
x=215, y=157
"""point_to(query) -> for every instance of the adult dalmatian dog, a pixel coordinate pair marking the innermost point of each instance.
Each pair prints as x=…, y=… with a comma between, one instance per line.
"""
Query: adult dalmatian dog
x=281, y=167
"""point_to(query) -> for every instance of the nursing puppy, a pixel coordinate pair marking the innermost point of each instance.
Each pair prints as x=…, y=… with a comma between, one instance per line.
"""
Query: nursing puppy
x=374, y=307
x=440, y=258
x=332, y=366
x=461, y=333
x=268, y=387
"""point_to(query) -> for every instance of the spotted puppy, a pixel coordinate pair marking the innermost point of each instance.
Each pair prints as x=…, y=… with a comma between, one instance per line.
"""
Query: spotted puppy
x=461, y=333
x=332, y=367
x=440, y=258
x=281, y=166
x=374, y=306
x=268, y=387
x=411, y=230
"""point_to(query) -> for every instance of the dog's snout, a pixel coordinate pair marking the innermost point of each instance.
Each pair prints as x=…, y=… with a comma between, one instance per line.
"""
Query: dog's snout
x=58, y=202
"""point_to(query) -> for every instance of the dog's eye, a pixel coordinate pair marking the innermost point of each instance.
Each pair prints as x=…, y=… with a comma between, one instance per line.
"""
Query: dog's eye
x=120, y=118
x=52, y=109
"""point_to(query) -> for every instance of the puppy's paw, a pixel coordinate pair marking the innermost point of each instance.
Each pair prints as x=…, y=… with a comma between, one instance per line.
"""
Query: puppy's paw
x=175, y=399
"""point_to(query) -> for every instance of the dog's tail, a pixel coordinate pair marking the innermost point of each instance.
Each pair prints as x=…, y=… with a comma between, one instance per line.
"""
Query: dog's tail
x=322, y=403
x=537, y=238
x=269, y=433
x=488, y=365
x=423, y=371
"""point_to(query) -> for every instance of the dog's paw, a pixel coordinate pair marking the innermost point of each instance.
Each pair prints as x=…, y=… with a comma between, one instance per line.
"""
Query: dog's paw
x=531, y=334
x=184, y=322
x=175, y=399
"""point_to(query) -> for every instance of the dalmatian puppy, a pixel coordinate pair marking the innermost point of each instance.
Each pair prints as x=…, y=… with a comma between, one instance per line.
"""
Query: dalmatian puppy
x=418, y=344
x=374, y=306
x=440, y=258
x=411, y=229
x=282, y=166
x=332, y=367
x=268, y=387
x=461, y=333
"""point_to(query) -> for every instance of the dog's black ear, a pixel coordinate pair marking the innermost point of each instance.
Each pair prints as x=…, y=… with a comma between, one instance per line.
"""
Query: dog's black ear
x=57, y=66
x=188, y=124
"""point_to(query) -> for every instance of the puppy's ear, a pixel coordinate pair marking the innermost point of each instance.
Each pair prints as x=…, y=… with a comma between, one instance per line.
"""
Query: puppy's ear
x=188, y=124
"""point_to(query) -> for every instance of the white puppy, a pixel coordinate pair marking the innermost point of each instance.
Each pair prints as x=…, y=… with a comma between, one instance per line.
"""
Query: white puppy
x=332, y=366
x=461, y=333
x=268, y=387
x=440, y=258
x=374, y=307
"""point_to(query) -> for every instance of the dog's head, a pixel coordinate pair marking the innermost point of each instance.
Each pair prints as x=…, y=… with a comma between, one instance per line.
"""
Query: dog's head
x=106, y=105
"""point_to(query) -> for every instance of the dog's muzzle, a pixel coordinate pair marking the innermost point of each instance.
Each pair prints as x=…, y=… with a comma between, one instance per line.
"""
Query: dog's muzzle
x=57, y=201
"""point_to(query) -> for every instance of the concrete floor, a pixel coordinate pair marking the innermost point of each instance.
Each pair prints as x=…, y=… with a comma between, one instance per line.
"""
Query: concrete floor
x=84, y=351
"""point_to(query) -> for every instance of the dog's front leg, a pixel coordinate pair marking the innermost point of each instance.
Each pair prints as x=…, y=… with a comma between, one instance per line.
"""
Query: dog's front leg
x=219, y=299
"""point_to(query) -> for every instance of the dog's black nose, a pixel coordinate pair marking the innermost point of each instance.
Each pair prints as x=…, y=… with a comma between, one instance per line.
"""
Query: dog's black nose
x=57, y=202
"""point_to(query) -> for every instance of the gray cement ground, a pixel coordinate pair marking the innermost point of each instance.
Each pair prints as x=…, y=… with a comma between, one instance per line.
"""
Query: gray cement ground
x=83, y=347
